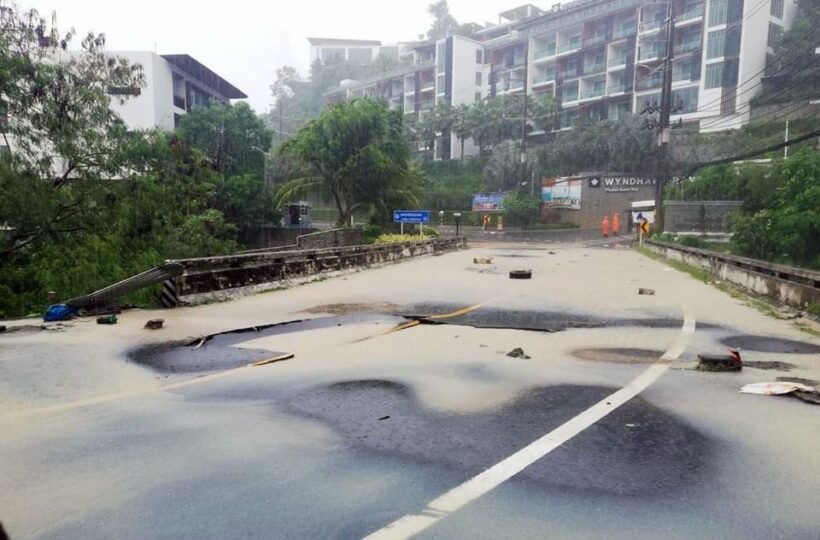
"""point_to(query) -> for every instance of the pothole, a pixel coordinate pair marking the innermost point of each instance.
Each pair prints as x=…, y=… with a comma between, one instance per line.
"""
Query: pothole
x=769, y=344
x=618, y=355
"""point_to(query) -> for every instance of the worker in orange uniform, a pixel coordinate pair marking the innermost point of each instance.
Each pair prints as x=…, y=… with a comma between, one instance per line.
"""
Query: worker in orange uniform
x=605, y=226
x=616, y=224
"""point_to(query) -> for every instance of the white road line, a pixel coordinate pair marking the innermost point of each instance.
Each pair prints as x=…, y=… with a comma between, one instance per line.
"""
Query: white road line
x=474, y=488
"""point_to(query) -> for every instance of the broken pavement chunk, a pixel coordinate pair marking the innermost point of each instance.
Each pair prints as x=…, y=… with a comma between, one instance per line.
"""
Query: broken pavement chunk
x=482, y=260
x=154, y=324
x=649, y=292
x=107, y=319
x=720, y=362
x=518, y=352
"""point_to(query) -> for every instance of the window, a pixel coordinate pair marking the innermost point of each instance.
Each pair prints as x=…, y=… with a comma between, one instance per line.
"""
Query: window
x=771, y=68
x=721, y=74
x=477, y=97
x=775, y=35
x=570, y=92
x=478, y=81
x=777, y=9
x=332, y=54
x=685, y=100
x=725, y=11
x=441, y=54
x=723, y=43
x=479, y=58
x=359, y=56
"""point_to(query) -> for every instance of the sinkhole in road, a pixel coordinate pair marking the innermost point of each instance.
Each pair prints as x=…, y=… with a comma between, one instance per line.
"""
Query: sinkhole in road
x=769, y=344
x=637, y=450
x=541, y=320
x=219, y=351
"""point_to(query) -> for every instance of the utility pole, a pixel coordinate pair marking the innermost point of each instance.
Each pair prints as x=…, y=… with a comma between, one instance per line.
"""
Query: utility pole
x=524, y=116
x=664, y=130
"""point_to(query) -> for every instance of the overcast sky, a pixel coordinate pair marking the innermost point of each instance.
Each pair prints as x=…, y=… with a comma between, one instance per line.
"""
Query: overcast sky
x=244, y=41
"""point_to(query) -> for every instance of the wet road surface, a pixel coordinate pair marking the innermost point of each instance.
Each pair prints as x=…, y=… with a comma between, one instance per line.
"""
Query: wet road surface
x=404, y=391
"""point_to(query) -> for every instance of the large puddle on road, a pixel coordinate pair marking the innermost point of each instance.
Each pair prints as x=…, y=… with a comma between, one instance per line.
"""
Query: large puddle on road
x=637, y=450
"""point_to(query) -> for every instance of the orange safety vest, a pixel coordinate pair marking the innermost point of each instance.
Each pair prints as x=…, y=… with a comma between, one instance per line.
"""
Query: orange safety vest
x=616, y=223
x=605, y=225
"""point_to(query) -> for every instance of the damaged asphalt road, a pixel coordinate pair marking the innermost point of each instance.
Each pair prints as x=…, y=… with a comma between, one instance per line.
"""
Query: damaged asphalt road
x=401, y=391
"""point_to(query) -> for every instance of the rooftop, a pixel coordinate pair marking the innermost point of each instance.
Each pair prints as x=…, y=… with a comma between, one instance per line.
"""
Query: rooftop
x=339, y=41
x=199, y=71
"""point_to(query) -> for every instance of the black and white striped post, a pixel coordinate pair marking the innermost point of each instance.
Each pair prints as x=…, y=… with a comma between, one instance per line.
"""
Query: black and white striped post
x=168, y=296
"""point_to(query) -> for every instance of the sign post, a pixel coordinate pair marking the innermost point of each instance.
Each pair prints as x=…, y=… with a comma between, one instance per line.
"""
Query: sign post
x=411, y=216
x=457, y=217
x=643, y=230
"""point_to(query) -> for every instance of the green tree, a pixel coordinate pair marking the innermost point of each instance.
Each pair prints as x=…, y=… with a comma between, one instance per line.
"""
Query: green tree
x=66, y=141
x=443, y=22
x=788, y=226
x=521, y=208
x=232, y=136
x=462, y=127
x=355, y=153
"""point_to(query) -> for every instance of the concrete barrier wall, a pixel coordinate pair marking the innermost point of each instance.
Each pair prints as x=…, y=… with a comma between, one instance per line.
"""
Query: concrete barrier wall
x=214, y=278
x=796, y=287
x=699, y=216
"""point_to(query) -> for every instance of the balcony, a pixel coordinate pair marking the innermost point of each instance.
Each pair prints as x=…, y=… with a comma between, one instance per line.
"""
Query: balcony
x=649, y=54
x=627, y=30
x=426, y=105
x=543, y=78
x=617, y=60
x=649, y=26
x=593, y=93
x=569, y=97
x=546, y=52
x=594, y=40
x=649, y=84
x=179, y=102
x=594, y=68
x=618, y=89
x=690, y=15
x=573, y=45
x=686, y=47
x=568, y=74
x=510, y=85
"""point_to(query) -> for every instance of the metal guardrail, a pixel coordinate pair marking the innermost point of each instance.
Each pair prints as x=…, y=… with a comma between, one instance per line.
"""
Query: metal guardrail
x=800, y=276
x=107, y=295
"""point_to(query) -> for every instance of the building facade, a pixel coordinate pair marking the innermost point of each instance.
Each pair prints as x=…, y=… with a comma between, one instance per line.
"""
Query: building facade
x=601, y=59
x=359, y=51
x=174, y=83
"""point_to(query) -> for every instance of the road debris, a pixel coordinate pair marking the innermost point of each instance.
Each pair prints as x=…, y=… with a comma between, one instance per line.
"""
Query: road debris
x=518, y=352
x=801, y=380
x=107, y=319
x=482, y=260
x=384, y=417
x=520, y=274
x=551, y=252
x=59, y=312
x=2, y=328
x=804, y=392
x=154, y=324
x=265, y=362
x=720, y=362
x=649, y=292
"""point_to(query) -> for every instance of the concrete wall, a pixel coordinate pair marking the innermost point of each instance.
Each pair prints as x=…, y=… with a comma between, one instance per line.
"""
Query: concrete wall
x=699, y=216
x=614, y=193
x=796, y=287
x=140, y=112
x=214, y=278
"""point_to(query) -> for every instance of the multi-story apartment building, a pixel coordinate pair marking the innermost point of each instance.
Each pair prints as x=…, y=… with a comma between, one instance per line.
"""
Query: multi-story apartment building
x=601, y=59
x=351, y=50
x=174, y=83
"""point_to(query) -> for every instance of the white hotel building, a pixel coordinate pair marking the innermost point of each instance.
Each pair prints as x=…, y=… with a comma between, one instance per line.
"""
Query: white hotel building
x=600, y=58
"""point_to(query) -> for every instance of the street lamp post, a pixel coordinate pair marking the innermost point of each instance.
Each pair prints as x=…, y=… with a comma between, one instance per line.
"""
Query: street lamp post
x=457, y=217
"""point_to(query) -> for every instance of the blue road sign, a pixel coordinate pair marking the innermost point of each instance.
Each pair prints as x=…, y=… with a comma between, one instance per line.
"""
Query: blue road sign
x=411, y=216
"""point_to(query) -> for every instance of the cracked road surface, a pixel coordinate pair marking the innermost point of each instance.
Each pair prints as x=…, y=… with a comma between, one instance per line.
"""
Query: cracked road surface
x=401, y=414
